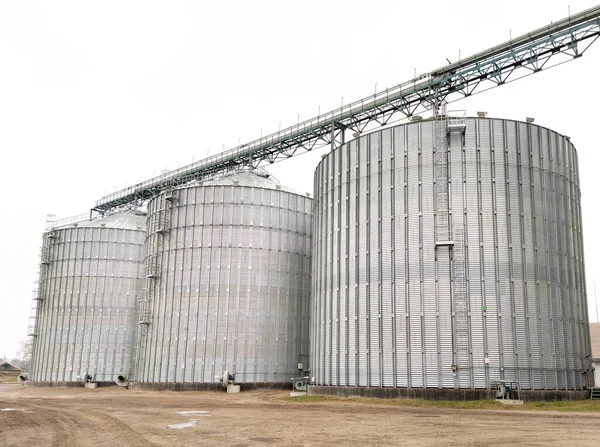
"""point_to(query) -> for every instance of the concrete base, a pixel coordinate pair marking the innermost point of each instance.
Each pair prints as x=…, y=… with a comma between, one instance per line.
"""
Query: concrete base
x=233, y=389
x=91, y=385
x=66, y=384
x=214, y=386
x=443, y=393
x=297, y=393
x=510, y=401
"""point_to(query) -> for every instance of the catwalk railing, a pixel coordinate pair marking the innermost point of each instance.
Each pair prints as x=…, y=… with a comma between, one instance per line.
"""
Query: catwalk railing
x=530, y=53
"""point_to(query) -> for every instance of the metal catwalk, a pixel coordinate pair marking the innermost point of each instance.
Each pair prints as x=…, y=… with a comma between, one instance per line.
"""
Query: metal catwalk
x=538, y=50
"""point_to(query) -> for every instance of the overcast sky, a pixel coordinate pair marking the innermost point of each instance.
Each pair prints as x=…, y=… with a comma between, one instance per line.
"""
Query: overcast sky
x=95, y=96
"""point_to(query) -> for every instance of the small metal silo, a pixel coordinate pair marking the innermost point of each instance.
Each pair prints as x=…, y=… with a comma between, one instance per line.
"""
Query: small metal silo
x=91, y=277
x=227, y=283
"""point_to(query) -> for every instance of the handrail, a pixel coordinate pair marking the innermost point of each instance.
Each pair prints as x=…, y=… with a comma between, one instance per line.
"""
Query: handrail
x=58, y=223
x=421, y=90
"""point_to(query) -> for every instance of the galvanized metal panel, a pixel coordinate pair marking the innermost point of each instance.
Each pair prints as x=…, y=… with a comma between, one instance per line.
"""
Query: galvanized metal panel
x=232, y=291
x=90, y=281
x=514, y=191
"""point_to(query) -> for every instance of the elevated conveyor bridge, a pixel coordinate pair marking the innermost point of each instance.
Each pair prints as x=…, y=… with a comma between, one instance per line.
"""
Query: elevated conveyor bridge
x=559, y=42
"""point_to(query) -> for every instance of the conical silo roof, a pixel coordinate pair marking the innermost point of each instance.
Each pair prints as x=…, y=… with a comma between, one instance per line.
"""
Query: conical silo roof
x=258, y=178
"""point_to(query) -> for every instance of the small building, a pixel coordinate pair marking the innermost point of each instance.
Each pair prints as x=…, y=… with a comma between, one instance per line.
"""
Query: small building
x=9, y=373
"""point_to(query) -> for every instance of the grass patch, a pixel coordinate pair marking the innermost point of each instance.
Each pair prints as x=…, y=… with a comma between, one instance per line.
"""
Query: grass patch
x=580, y=405
x=575, y=405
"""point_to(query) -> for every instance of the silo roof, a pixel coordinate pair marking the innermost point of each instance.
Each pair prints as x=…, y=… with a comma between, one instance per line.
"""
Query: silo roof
x=126, y=220
x=258, y=178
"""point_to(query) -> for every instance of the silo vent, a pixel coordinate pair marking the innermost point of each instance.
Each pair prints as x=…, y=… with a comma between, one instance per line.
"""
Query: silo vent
x=415, y=118
x=122, y=379
x=530, y=120
x=481, y=114
x=300, y=383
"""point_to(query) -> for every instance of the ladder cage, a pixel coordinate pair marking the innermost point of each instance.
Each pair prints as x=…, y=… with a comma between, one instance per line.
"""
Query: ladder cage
x=144, y=312
x=459, y=298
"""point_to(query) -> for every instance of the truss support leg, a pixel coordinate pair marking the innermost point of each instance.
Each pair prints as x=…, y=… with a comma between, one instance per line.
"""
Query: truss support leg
x=338, y=136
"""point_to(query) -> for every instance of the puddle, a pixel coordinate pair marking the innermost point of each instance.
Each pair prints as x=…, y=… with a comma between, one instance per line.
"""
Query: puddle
x=188, y=424
x=193, y=413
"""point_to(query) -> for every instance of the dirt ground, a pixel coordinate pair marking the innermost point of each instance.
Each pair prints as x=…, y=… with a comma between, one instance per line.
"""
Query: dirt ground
x=117, y=417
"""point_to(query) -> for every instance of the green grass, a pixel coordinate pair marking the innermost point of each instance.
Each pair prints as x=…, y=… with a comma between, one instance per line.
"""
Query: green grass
x=576, y=405
x=580, y=405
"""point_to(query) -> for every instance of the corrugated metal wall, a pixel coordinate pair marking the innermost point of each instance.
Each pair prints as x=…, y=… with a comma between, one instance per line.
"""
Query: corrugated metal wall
x=382, y=311
x=232, y=285
x=90, y=281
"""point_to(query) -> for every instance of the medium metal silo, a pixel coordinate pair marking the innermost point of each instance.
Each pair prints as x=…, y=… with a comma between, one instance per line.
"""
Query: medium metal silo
x=228, y=283
x=448, y=253
x=91, y=277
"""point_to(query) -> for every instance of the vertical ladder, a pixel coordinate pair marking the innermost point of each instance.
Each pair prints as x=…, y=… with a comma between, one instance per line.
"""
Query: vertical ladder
x=33, y=319
x=39, y=293
x=460, y=306
x=37, y=298
x=456, y=126
x=159, y=225
x=442, y=233
x=50, y=238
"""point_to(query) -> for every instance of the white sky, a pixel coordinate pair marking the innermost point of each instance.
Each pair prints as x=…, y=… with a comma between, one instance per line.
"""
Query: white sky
x=99, y=95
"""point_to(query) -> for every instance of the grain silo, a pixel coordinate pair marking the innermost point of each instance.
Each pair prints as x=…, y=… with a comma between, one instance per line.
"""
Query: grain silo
x=91, y=277
x=228, y=284
x=448, y=254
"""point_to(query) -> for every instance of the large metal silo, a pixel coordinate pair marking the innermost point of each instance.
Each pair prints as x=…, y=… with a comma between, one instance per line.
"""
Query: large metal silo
x=91, y=277
x=228, y=283
x=448, y=253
